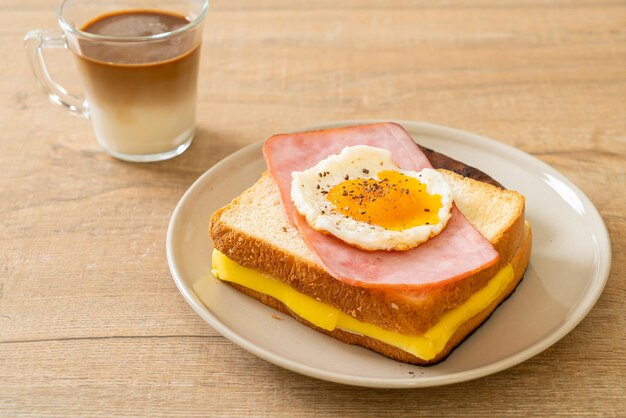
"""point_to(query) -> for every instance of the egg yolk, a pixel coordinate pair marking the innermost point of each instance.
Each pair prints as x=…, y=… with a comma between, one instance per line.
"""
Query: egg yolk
x=395, y=201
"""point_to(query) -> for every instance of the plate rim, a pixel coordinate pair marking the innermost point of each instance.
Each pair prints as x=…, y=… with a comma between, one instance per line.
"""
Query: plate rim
x=577, y=314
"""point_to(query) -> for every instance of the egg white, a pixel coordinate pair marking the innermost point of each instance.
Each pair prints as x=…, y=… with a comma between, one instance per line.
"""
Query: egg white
x=309, y=189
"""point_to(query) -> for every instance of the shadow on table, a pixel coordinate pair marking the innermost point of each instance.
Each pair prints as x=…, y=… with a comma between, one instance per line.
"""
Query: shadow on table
x=207, y=148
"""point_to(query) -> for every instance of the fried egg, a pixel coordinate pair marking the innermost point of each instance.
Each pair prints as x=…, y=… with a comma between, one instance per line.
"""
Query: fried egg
x=363, y=198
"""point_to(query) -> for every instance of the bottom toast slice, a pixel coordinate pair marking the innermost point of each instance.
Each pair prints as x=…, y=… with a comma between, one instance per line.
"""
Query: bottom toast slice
x=518, y=262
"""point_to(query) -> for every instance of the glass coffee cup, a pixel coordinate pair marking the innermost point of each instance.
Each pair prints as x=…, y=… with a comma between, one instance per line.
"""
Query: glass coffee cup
x=138, y=62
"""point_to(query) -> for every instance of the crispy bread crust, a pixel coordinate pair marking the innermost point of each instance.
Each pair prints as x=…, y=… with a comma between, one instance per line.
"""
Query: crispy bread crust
x=519, y=261
x=439, y=160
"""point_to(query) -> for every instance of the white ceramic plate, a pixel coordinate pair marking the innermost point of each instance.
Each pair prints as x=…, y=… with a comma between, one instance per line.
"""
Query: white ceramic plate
x=568, y=269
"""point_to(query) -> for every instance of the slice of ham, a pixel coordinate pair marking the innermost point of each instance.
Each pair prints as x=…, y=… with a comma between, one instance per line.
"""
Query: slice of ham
x=458, y=252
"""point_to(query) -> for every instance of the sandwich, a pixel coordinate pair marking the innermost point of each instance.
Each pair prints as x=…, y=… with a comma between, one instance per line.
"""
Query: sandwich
x=363, y=235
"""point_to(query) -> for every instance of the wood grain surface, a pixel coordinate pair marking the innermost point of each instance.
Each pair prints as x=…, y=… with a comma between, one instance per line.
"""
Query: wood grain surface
x=91, y=322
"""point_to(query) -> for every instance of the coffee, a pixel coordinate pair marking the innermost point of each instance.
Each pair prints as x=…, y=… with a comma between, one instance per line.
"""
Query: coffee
x=141, y=95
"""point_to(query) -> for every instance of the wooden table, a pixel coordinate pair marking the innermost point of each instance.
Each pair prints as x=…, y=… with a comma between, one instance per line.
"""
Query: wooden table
x=90, y=320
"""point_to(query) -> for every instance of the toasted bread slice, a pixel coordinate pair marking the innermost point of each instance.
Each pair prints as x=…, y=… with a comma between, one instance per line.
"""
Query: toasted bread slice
x=518, y=261
x=253, y=230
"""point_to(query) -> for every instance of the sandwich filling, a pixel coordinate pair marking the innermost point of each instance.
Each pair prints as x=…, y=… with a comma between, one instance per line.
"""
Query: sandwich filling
x=426, y=346
x=452, y=251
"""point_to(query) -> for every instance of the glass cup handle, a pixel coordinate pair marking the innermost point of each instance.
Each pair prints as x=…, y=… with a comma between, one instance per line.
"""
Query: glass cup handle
x=34, y=42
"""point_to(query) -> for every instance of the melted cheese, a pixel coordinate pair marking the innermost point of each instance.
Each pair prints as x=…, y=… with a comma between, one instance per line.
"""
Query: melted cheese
x=425, y=346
